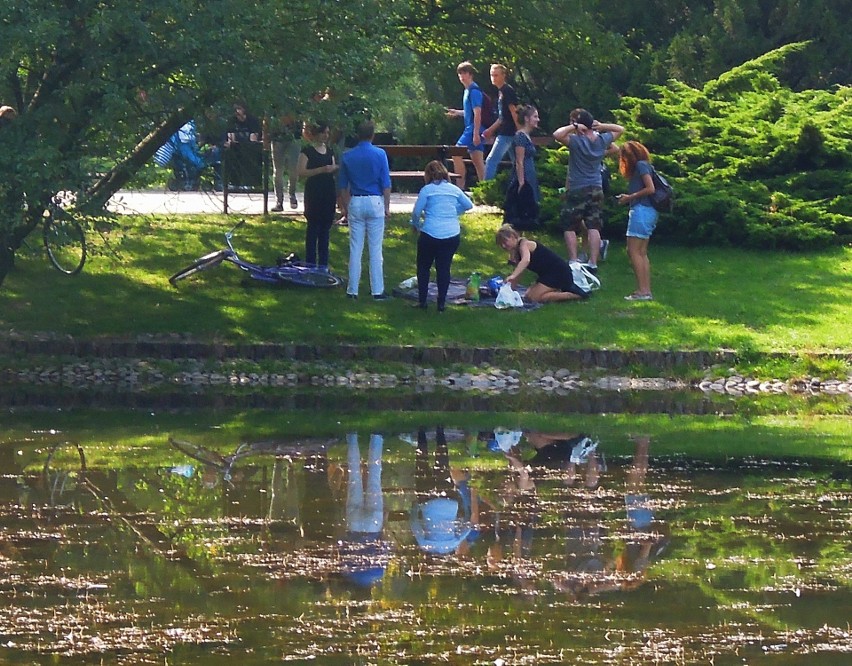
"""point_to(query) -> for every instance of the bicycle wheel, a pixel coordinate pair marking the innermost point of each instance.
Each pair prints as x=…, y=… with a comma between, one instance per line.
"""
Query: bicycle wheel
x=202, y=264
x=65, y=243
x=63, y=472
x=309, y=277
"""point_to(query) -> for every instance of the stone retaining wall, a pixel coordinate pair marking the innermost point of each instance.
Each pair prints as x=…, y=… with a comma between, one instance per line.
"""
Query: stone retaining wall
x=136, y=374
x=142, y=362
x=168, y=347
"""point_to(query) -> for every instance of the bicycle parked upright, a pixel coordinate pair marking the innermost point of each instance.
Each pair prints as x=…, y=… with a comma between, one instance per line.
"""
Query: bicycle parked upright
x=64, y=239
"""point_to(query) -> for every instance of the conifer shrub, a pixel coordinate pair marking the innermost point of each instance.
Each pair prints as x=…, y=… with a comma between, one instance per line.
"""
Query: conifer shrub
x=754, y=164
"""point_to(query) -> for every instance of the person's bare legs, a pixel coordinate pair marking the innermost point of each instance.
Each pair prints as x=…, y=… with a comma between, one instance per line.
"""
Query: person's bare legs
x=593, y=471
x=478, y=158
x=594, y=248
x=571, y=244
x=637, y=251
x=540, y=293
x=461, y=170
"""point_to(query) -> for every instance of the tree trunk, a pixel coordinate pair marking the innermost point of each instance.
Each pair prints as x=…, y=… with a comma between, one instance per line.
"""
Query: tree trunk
x=10, y=241
x=7, y=259
x=112, y=181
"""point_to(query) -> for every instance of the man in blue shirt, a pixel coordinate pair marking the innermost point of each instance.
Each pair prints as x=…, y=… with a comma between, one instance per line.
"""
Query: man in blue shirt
x=471, y=138
x=364, y=197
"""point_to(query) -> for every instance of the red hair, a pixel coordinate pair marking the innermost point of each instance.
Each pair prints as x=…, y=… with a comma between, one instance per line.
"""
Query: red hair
x=630, y=153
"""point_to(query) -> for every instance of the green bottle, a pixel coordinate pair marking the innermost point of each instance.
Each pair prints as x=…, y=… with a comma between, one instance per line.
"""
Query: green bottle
x=473, y=286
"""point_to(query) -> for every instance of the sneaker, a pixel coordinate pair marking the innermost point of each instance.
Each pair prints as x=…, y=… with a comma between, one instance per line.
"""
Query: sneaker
x=294, y=202
x=639, y=297
x=381, y=297
x=277, y=208
x=604, y=249
x=592, y=269
x=354, y=297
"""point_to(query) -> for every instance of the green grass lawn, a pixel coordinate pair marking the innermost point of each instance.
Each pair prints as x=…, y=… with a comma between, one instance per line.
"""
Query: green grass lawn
x=707, y=298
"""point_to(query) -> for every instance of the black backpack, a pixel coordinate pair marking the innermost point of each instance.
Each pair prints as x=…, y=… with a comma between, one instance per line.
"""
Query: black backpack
x=606, y=179
x=662, y=198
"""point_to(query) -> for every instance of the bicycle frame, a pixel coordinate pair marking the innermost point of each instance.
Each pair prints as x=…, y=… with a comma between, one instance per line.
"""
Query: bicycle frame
x=268, y=274
x=289, y=271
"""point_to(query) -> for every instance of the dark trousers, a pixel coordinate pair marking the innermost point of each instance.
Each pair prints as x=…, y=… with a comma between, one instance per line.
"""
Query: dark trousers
x=432, y=478
x=438, y=251
x=316, y=238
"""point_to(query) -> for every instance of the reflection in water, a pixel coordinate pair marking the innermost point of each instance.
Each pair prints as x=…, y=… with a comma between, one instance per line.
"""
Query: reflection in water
x=440, y=517
x=363, y=552
x=591, y=569
x=442, y=545
x=600, y=555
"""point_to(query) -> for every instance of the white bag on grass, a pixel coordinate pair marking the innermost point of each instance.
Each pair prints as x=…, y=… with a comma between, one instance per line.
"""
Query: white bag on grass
x=583, y=277
x=508, y=298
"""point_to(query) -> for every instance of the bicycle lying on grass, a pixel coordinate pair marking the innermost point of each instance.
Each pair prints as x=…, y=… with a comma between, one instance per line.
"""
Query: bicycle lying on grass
x=288, y=269
x=298, y=447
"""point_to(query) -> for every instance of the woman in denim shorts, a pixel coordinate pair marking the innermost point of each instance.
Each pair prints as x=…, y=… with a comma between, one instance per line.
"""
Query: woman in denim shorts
x=634, y=163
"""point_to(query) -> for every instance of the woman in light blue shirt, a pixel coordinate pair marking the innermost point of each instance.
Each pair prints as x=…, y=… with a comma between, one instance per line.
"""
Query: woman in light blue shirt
x=436, y=217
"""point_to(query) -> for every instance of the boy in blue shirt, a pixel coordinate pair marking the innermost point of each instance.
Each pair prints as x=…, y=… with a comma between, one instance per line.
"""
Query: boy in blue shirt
x=471, y=138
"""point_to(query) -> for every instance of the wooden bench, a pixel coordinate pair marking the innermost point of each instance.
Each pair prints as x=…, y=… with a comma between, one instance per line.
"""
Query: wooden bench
x=419, y=174
x=426, y=152
x=441, y=152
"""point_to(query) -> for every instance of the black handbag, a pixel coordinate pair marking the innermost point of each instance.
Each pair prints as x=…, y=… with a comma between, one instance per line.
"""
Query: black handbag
x=520, y=208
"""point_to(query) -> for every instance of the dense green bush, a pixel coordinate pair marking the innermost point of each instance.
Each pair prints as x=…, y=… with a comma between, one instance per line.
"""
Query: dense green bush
x=753, y=164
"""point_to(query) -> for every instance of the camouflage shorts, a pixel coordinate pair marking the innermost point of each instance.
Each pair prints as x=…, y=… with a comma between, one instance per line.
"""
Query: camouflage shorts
x=582, y=210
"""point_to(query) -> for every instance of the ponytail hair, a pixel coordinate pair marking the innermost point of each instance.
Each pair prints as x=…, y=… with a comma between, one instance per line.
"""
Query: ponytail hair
x=524, y=113
x=506, y=232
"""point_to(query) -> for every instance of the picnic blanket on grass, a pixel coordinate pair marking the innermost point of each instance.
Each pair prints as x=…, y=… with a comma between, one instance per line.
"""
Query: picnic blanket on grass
x=457, y=295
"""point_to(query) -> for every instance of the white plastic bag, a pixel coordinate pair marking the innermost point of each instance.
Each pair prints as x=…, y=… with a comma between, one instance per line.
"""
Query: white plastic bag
x=583, y=277
x=508, y=298
x=507, y=439
x=410, y=283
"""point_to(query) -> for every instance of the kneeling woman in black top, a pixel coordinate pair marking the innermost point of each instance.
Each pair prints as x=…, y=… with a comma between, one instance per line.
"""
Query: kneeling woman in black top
x=554, y=281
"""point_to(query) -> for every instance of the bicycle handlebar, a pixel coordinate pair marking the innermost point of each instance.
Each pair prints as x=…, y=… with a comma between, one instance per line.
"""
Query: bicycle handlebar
x=231, y=231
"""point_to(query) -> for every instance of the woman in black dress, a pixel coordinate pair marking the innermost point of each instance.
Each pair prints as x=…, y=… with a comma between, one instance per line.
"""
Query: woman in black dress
x=316, y=162
x=554, y=281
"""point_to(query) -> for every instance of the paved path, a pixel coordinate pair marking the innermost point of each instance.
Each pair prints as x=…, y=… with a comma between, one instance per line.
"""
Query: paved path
x=162, y=202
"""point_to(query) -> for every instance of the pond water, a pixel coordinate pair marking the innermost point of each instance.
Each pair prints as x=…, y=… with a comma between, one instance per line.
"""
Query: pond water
x=591, y=540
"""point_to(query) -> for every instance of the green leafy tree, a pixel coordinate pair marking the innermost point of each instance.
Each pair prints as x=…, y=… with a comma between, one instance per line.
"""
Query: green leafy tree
x=594, y=52
x=99, y=86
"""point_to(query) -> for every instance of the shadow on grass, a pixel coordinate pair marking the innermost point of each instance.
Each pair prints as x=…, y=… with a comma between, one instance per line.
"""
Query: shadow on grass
x=705, y=298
